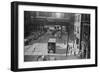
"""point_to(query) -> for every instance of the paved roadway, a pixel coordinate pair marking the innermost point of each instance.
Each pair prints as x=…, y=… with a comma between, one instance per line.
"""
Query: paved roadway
x=39, y=47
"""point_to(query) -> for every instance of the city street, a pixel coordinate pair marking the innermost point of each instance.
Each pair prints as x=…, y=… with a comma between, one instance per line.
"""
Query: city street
x=40, y=47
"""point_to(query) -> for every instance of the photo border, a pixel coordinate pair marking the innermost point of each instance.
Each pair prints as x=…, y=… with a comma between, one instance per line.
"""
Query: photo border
x=14, y=35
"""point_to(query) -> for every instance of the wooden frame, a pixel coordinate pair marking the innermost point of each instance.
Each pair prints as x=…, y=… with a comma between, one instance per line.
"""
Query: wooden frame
x=15, y=38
